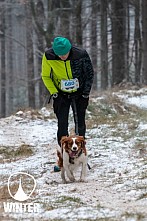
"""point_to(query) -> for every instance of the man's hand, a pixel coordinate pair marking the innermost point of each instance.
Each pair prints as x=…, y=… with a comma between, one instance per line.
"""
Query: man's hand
x=85, y=96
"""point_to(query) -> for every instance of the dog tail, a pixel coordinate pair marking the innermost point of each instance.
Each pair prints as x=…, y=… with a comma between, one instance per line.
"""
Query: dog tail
x=60, y=159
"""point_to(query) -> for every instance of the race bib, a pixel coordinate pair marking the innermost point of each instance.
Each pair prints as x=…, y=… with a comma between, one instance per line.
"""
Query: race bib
x=69, y=85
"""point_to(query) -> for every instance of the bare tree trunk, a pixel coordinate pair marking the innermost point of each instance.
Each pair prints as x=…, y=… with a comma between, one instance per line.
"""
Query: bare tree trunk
x=137, y=41
x=104, y=46
x=3, y=76
x=78, y=12
x=144, y=43
x=30, y=61
x=127, y=34
x=118, y=42
x=94, y=41
x=37, y=37
x=44, y=15
x=63, y=15
x=9, y=84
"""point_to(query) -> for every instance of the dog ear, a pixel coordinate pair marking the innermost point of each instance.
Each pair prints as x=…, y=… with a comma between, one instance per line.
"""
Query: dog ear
x=63, y=141
x=82, y=140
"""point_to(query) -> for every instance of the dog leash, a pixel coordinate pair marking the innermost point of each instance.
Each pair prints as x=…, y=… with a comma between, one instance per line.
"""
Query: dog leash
x=76, y=120
x=75, y=116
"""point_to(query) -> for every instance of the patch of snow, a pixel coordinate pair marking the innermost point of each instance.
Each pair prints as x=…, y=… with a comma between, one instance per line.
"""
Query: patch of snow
x=138, y=101
x=115, y=185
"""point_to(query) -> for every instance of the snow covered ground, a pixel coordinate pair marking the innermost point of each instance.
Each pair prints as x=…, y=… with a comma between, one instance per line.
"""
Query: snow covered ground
x=116, y=185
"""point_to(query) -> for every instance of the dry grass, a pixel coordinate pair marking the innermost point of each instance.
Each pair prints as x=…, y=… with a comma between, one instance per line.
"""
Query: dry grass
x=33, y=114
x=113, y=110
x=143, y=196
x=141, y=147
x=24, y=150
x=123, y=120
x=131, y=216
x=4, y=194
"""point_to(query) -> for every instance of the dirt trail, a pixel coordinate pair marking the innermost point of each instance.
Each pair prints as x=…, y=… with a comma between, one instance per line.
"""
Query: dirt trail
x=116, y=187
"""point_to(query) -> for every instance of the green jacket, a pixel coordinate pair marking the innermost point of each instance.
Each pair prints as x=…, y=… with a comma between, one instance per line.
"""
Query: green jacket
x=78, y=65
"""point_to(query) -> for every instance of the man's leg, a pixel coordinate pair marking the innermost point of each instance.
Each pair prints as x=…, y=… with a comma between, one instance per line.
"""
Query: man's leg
x=61, y=107
x=81, y=106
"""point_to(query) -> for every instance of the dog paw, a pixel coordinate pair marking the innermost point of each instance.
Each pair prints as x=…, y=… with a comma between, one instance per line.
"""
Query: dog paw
x=64, y=181
x=82, y=180
x=72, y=179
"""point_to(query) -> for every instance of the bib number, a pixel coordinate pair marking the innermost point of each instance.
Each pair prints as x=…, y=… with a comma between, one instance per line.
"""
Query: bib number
x=69, y=85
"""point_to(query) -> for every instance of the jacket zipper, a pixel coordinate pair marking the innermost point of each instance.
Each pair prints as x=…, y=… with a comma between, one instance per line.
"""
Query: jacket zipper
x=66, y=70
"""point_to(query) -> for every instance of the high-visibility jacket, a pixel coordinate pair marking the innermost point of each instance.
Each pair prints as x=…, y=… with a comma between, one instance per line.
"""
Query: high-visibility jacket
x=77, y=66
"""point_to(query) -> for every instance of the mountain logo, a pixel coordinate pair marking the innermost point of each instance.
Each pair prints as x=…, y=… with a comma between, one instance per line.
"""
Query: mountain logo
x=21, y=186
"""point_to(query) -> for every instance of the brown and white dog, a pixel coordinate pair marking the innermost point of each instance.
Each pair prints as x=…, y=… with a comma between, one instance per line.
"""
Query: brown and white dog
x=73, y=154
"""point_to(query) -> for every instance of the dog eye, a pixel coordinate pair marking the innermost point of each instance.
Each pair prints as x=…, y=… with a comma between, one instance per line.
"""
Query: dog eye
x=69, y=143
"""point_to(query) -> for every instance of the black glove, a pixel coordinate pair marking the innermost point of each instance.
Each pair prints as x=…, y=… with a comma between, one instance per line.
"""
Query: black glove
x=85, y=95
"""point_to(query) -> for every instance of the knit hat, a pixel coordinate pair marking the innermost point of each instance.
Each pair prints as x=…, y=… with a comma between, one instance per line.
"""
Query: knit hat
x=61, y=46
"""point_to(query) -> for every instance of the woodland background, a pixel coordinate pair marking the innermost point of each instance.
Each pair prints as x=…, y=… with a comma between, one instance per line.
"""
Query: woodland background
x=114, y=32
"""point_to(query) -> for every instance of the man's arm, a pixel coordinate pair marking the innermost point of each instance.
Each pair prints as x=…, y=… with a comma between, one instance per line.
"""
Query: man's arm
x=46, y=70
x=89, y=74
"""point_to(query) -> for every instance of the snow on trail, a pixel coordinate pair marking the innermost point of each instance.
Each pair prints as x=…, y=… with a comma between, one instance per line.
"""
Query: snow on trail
x=116, y=187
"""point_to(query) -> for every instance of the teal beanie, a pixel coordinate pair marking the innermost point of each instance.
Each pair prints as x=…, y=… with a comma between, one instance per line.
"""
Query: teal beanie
x=61, y=46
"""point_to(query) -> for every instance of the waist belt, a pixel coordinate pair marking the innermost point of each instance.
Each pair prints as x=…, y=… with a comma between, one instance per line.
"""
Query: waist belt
x=69, y=95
